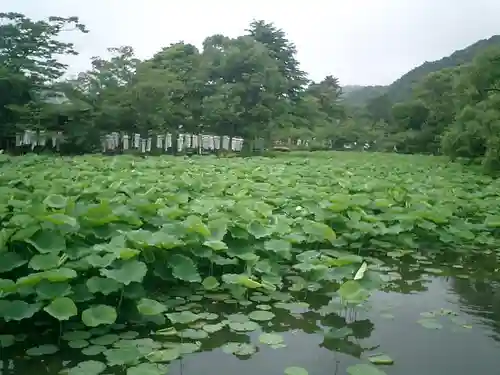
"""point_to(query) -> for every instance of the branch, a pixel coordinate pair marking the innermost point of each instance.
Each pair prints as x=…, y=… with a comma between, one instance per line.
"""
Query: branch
x=493, y=89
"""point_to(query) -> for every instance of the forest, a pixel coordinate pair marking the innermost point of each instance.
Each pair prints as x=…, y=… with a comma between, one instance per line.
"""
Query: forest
x=246, y=86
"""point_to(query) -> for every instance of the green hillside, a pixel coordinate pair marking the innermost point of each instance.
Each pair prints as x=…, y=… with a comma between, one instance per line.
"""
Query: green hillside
x=400, y=89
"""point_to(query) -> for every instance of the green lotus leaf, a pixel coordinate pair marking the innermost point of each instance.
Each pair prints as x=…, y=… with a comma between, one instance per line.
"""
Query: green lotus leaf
x=189, y=347
x=60, y=274
x=78, y=344
x=102, y=285
x=183, y=317
x=48, y=241
x=99, y=314
x=55, y=201
x=258, y=230
x=166, y=355
x=148, y=369
x=238, y=318
x=238, y=348
x=212, y=328
x=93, y=350
x=210, y=283
x=62, y=308
x=150, y=307
x=319, y=231
x=261, y=315
x=17, y=310
x=48, y=290
x=10, y=260
x=296, y=371
x=271, y=339
x=278, y=246
x=41, y=262
x=76, y=335
x=352, y=291
x=338, y=333
x=215, y=245
x=122, y=356
x=61, y=219
x=129, y=335
x=106, y=339
x=195, y=224
x=7, y=340
x=380, y=359
x=194, y=334
x=243, y=327
x=99, y=261
x=46, y=349
x=184, y=268
x=364, y=369
x=87, y=368
x=130, y=271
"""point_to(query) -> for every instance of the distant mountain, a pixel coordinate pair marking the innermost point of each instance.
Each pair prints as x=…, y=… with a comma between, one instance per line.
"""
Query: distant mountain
x=400, y=89
x=359, y=95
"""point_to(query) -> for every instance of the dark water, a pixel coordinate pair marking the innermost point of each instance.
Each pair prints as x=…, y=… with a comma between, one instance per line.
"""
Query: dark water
x=466, y=302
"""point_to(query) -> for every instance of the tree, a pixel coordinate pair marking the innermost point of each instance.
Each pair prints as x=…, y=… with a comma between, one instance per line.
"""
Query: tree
x=283, y=51
x=29, y=53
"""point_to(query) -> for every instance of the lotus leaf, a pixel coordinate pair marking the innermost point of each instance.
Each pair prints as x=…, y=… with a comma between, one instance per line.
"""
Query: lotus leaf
x=130, y=271
x=122, y=356
x=78, y=344
x=296, y=371
x=93, y=350
x=102, y=285
x=55, y=201
x=46, y=349
x=17, y=310
x=193, y=334
x=238, y=348
x=87, y=368
x=148, y=306
x=48, y=241
x=270, y=339
x=260, y=315
x=184, y=268
x=7, y=340
x=62, y=308
x=105, y=340
x=99, y=314
x=10, y=260
x=380, y=359
x=76, y=335
x=183, y=317
x=148, y=369
x=166, y=355
x=243, y=327
x=210, y=283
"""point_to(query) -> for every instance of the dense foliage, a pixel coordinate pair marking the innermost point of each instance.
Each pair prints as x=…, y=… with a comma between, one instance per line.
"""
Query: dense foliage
x=248, y=86
x=452, y=111
x=95, y=242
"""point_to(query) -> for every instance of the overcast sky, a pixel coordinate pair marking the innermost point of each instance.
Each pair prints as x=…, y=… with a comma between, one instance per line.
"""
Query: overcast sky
x=358, y=41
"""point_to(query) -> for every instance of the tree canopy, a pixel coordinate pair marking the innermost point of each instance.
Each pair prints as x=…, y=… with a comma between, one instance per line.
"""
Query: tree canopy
x=249, y=86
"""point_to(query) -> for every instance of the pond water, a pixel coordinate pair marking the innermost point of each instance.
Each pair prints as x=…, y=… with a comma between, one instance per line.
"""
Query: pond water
x=434, y=319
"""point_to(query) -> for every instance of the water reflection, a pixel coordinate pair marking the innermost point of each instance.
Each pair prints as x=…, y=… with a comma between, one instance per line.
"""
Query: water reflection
x=325, y=338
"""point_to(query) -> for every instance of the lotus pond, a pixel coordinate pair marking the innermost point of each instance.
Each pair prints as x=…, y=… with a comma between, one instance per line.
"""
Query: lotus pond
x=330, y=263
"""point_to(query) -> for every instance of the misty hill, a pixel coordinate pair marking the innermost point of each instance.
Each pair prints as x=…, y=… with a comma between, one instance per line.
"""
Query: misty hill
x=400, y=89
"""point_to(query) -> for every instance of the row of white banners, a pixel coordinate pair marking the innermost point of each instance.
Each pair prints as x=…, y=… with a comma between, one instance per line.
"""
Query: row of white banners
x=116, y=140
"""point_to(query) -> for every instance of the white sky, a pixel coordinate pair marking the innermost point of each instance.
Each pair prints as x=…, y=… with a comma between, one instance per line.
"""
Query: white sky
x=358, y=41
